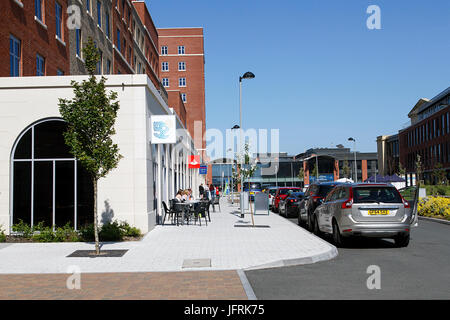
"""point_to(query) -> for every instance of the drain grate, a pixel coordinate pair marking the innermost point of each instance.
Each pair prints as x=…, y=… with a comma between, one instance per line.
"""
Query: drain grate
x=196, y=263
x=251, y=226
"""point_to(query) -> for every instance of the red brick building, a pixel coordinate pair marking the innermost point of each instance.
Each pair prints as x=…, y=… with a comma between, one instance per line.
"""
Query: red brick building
x=30, y=39
x=182, y=70
x=427, y=136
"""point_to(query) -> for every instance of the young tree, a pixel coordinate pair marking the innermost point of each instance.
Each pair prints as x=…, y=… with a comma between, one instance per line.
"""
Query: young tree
x=346, y=169
x=439, y=174
x=419, y=170
x=301, y=174
x=91, y=115
x=314, y=172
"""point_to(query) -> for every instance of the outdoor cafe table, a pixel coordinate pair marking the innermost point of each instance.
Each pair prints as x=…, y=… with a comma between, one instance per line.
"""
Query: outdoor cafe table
x=186, y=205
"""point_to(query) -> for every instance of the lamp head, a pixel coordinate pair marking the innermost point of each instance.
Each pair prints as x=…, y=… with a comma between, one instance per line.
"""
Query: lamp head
x=247, y=75
x=235, y=127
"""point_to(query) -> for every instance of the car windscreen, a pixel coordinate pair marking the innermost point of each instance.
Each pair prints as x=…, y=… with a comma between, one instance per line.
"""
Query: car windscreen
x=324, y=190
x=272, y=191
x=286, y=191
x=376, y=195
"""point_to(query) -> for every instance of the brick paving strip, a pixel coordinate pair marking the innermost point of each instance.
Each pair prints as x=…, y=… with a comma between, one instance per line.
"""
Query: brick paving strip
x=189, y=285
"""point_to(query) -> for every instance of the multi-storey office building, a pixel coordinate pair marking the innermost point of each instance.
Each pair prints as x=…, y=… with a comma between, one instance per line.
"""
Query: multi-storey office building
x=428, y=136
x=388, y=154
x=337, y=163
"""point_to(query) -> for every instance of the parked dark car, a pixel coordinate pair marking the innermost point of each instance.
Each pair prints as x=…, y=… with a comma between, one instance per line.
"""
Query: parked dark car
x=314, y=196
x=282, y=192
x=289, y=205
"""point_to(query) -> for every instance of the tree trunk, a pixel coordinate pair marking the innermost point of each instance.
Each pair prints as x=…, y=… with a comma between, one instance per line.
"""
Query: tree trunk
x=97, y=247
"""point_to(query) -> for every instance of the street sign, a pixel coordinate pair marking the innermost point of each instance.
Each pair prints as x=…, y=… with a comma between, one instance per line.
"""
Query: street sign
x=203, y=170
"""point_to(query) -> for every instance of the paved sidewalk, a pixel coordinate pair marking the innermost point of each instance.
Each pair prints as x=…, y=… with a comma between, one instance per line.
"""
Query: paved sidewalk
x=166, y=248
x=203, y=285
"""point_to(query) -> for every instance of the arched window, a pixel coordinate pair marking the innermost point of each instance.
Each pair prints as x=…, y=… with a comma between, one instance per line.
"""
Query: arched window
x=48, y=183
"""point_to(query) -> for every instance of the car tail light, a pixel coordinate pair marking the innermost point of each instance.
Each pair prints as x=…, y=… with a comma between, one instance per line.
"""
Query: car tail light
x=348, y=204
x=406, y=204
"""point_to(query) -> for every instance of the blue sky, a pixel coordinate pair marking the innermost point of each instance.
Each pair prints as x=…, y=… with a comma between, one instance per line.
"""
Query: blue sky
x=321, y=74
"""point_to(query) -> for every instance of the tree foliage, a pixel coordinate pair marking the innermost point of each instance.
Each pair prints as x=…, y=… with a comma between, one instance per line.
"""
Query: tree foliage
x=91, y=116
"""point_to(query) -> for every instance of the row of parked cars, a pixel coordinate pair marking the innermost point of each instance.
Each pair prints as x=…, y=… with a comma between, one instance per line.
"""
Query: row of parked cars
x=348, y=210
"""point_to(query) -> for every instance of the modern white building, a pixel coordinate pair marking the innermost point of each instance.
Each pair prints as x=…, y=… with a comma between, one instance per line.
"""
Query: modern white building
x=41, y=181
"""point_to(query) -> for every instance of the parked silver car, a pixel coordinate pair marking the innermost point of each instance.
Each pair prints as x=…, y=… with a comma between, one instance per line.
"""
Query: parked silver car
x=370, y=210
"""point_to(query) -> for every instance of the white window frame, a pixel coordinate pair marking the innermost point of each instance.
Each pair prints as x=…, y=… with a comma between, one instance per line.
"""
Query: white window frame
x=181, y=50
x=165, y=66
x=181, y=64
x=164, y=81
x=164, y=50
x=182, y=82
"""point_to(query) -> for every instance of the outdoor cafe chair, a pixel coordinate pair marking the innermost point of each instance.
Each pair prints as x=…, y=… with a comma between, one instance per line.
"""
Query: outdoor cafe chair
x=168, y=212
x=200, y=211
x=216, y=201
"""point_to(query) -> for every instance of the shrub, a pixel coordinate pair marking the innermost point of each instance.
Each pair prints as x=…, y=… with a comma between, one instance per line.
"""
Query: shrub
x=23, y=229
x=111, y=232
x=434, y=207
x=87, y=233
x=45, y=234
x=2, y=234
x=129, y=231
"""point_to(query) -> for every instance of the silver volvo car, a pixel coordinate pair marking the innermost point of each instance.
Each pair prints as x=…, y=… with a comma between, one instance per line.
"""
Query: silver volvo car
x=370, y=210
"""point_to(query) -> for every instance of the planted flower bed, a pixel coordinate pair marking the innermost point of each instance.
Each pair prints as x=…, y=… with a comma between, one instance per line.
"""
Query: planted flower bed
x=435, y=207
x=113, y=231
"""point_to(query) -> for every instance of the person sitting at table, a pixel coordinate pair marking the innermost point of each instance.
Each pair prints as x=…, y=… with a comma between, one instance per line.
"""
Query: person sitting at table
x=179, y=196
x=184, y=196
x=190, y=197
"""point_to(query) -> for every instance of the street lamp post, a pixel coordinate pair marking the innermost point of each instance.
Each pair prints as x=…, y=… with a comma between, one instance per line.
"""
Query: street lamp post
x=354, y=150
x=247, y=75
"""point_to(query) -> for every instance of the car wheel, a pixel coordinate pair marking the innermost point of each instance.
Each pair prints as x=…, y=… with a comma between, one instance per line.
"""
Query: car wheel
x=401, y=241
x=337, y=238
x=317, y=231
x=310, y=222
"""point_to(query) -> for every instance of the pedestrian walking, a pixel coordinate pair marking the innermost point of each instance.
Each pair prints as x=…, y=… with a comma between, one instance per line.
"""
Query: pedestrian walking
x=201, y=190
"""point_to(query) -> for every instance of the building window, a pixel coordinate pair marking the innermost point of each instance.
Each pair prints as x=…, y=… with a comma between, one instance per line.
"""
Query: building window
x=88, y=6
x=48, y=183
x=165, y=82
x=78, y=41
x=14, y=56
x=180, y=49
x=139, y=67
x=108, y=67
x=59, y=72
x=182, y=82
x=181, y=66
x=107, y=27
x=118, y=39
x=165, y=66
x=164, y=50
x=124, y=46
x=38, y=9
x=183, y=97
x=99, y=13
x=40, y=65
x=100, y=62
x=58, y=16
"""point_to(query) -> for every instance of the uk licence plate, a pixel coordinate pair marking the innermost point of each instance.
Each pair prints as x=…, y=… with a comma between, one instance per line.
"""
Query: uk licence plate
x=378, y=212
